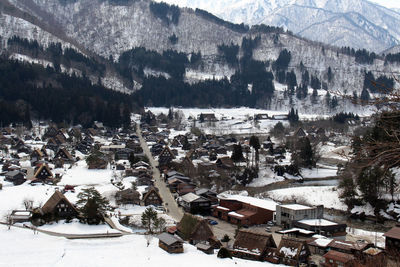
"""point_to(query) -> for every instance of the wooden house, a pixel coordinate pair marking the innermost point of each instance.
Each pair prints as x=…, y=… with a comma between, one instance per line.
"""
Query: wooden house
x=292, y=251
x=225, y=163
x=165, y=157
x=36, y=155
x=374, y=257
x=152, y=197
x=42, y=174
x=52, y=144
x=170, y=243
x=128, y=196
x=207, y=117
x=392, y=241
x=252, y=244
x=185, y=188
x=243, y=210
x=338, y=259
x=63, y=154
x=59, y=207
x=16, y=177
x=123, y=154
x=299, y=133
x=99, y=162
x=195, y=229
x=51, y=131
x=75, y=133
x=195, y=204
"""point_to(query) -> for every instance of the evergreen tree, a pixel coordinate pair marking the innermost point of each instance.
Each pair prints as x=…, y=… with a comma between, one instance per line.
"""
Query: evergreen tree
x=330, y=74
x=93, y=205
x=255, y=144
x=149, y=217
x=365, y=97
x=237, y=154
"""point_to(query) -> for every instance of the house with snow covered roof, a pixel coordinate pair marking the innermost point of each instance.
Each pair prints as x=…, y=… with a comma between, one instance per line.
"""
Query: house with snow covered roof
x=287, y=214
x=252, y=245
x=292, y=251
x=323, y=227
x=244, y=210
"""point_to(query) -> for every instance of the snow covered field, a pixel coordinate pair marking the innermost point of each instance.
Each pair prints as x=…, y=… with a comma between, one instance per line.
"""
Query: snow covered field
x=20, y=247
x=310, y=195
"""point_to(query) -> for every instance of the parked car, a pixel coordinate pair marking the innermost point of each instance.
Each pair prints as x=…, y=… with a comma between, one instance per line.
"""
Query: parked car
x=160, y=208
x=212, y=222
x=268, y=229
x=270, y=223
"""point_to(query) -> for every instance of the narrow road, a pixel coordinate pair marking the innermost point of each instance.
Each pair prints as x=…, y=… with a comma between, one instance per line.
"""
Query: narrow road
x=173, y=210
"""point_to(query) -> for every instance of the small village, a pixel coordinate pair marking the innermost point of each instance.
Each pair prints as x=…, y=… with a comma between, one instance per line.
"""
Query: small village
x=165, y=178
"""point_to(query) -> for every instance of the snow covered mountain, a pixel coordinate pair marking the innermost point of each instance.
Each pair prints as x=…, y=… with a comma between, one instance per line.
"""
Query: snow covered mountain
x=355, y=23
x=109, y=29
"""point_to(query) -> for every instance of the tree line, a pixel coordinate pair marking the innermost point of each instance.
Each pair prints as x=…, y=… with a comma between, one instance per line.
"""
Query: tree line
x=30, y=91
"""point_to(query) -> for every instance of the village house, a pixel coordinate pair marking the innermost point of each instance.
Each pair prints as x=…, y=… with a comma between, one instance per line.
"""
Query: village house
x=170, y=243
x=128, y=196
x=185, y=188
x=16, y=177
x=152, y=197
x=63, y=154
x=392, y=241
x=195, y=204
x=252, y=245
x=338, y=259
x=323, y=227
x=165, y=157
x=42, y=173
x=196, y=230
x=353, y=248
x=286, y=215
x=319, y=245
x=58, y=206
x=244, y=210
x=292, y=251
x=207, y=117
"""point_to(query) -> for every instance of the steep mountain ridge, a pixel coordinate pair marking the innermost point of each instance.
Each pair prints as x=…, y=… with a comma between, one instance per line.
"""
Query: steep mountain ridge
x=299, y=15
x=110, y=29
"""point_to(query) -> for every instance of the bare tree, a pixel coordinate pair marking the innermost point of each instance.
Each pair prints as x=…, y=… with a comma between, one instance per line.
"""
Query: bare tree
x=28, y=204
x=8, y=219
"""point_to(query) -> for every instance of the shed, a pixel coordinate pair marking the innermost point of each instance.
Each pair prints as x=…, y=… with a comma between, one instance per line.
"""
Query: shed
x=170, y=243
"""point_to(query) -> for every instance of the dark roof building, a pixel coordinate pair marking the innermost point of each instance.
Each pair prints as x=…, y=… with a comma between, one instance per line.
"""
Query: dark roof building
x=170, y=243
x=253, y=245
x=59, y=206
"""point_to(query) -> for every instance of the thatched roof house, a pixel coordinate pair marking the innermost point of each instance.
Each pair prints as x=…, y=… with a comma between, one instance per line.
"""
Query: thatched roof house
x=128, y=196
x=293, y=251
x=251, y=244
x=195, y=230
x=58, y=205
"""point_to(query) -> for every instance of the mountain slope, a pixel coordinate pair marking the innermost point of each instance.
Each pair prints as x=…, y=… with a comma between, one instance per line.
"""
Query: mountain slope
x=379, y=26
x=110, y=29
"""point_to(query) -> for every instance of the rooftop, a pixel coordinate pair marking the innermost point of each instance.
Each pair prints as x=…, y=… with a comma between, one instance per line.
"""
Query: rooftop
x=257, y=202
x=296, y=207
x=318, y=222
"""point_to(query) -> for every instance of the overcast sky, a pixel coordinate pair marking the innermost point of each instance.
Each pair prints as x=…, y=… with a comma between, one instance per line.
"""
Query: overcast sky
x=388, y=3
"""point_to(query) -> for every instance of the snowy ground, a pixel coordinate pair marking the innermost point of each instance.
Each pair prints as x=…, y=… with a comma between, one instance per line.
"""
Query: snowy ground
x=310, y=195
x=75, y=227
x=21, y=247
